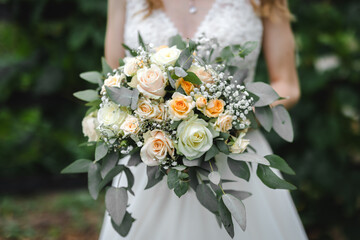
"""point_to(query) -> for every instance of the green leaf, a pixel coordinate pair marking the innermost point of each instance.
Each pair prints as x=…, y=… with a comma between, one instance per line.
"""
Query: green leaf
x=131, y=51
x=207, y=198
x=123, y=96
x=185, y=59
x=110, y=176
x=171, y=80
x=87, y=95
x=236, y=208
x=125, y=225
x=239, y=169
x=100, y=151
x=135, y=158
x=279, y=163
x=211, y=153
x=116, y=200
x=249, y=157
x=225, y=217
x=247, y=48
x=265, y=92
x=222, y=146
x=214, y=177
x=192, y=45
x=282, y=123
x=92, y=77
x=181, y=188
x=226, y=53
x=105, y=67
x=265, y=117
x=79, y=166
x=241, y=195
x=141, y=41
x=172, y=178
x=109, y=163
x=151, y=172
x=177, y=41
x=191, y=77
x=130, y=179
x=270, y=179
x=192, y=163
x=121, y=62
x=180, y=72
x=175, y=124
x=94, y=179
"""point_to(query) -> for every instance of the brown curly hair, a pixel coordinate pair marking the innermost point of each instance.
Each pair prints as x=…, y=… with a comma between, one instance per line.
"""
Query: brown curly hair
x=272, y=9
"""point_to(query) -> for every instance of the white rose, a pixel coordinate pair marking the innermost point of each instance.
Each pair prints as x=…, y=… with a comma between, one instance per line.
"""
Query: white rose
x=150, y=82
x=240, y=144
x=194, y=138
x=130, y=125
x=111, y=114
x=156, y=148
x=147, y=109
x=131, y=66
x=223, y=123
x=113, y=81
x=166, y=56
x=89, y=125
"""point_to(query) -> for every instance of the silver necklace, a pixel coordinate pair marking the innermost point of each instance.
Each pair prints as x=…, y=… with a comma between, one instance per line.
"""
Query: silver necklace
x=192, y=7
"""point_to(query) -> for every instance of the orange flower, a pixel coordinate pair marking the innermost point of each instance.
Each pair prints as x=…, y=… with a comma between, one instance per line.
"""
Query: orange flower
x=187, y=86
x=180, y=106
x=201, y=102
x=214, y=108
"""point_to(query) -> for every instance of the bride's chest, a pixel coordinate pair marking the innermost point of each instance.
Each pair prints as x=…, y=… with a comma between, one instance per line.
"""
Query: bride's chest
x=230, y=21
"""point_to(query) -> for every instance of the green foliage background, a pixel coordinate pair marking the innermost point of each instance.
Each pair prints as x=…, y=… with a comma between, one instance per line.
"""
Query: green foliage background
x=44, y=45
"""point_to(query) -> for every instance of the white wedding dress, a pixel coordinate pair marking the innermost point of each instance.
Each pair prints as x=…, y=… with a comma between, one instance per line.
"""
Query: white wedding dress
x=159, y=213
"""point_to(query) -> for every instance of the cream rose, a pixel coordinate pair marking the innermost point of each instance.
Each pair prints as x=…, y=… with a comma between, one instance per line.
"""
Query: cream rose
x=113, y=81
x=162, y=114
x=180, y=106
x=111, y=114
x=240, y=144
x=89, y=125
x=194, y=138
x=147, y=109
x=131, y=66
x=156, y=148
x=130, y=125
x=166, y=56
x=223, y=123
x=150, y=82
x=200, y=102
x=203, y=74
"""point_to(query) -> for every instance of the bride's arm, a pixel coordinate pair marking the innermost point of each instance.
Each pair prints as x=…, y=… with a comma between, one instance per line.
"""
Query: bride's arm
x=279, y=51
x=115, y=32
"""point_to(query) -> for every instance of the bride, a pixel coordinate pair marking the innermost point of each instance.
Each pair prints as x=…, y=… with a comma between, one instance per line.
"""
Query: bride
x=159, y=213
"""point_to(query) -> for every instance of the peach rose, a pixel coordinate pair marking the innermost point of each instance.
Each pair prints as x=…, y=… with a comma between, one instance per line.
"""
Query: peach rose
x=113, y=81
x=180, y=107
x=161, y=113
x=202, y=74
x=223, y=123
x=201, y=102
x=156, y=148
x=151, y=82
x=214, y=108
x=130, y=125
x=146, y=108
x=187, y=86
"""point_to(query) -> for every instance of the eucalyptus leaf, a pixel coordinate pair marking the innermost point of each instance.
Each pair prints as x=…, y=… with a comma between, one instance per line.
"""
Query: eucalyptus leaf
x=211, y=152
x=247, y=48
x=116, y=200
x=192, y=45
x=141, y=41
x=110, y=176
x=100, y=151
x=109, y=163
x=270, y=179
x=282, y=123
x=264, y=91
x=92, y=77
x=177, y=41
x=151, y=172
x=185, y=59
x=279, y=163
x=125, y=225
x=207, y=198
x=225, y=217
x=265, y=117
x=249, y=157
x=131, y=51
x=171, y=80
x=192, y=163
x=135, y=159
x=105, y=67
x=94, y=179
x=242, y=195
x=226, y=53
x=130, y=179
x=180, y=72
x=239, y=169
x=172, y=178
x=191, y=77
x=236, y=208
x=87, y=95
x=79, y=166
x=214, y=177
x=222, y=146
x=181, y=188
x=123, y=96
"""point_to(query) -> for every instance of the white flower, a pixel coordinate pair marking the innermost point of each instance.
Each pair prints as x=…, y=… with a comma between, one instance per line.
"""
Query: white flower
x=156, y=148
x=113, y=81
x=110, y=114
x=147, y=109
x=131, y=66
x=89, y=125
x=150, y=82
x=166, y=56
x=130, y=125
x=223, y=123
x=194, y=138
x=240, y=144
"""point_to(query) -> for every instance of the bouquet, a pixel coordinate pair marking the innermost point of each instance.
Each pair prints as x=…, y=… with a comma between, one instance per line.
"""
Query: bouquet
x=174, y=108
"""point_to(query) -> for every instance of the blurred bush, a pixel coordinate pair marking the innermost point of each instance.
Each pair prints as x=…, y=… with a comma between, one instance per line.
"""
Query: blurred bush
x=45, y=44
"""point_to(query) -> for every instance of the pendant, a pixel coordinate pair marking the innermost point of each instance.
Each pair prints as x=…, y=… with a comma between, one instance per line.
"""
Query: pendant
x=192, y=9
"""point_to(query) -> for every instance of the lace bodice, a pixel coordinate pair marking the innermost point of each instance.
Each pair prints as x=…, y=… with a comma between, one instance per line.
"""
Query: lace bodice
x=230, y=21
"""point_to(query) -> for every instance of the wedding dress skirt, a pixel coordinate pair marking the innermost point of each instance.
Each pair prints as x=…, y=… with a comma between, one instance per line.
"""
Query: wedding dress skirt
x=161, y=215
